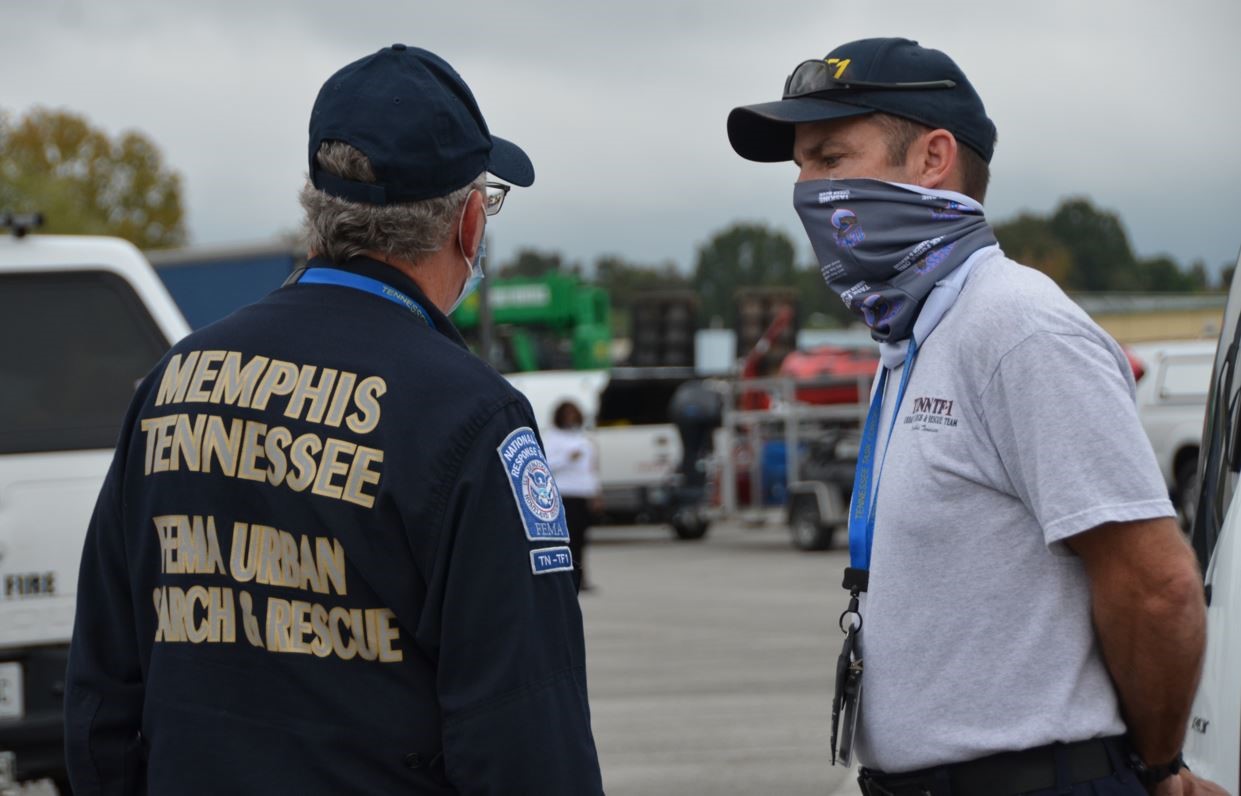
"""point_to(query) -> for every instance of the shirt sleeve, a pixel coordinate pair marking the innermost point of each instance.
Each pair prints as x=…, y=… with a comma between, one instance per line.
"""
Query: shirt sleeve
x=507, y=632
x=1061, y=412
x=103, y=682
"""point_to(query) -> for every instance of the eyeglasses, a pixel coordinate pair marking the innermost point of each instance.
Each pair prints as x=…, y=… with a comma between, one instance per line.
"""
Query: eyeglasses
x=816, y=77
x=493, y=197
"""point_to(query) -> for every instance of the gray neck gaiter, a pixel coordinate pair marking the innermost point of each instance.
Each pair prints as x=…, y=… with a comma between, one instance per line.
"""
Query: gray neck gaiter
x=882, y=246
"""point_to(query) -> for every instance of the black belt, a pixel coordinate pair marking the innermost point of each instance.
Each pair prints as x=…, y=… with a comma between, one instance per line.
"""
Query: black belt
x=1004, y=774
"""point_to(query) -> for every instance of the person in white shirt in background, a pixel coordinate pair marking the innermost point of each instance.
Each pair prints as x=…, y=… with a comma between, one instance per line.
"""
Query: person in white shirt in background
x=575, y=464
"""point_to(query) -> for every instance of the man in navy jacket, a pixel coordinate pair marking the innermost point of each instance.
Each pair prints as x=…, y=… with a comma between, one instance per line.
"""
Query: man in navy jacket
x=329, y=556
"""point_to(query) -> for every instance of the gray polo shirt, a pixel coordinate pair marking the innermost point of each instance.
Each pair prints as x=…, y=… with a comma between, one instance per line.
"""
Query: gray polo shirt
x=1018, y=430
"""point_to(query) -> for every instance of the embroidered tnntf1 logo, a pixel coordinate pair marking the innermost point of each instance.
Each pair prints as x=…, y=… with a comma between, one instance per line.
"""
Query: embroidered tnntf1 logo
x=931, y=414
x=534, y=488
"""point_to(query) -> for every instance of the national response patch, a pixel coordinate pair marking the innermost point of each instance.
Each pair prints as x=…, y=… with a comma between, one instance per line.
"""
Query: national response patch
x=534, y=488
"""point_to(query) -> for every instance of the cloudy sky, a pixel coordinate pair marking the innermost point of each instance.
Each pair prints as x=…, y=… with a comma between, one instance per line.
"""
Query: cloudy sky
x=621, y=105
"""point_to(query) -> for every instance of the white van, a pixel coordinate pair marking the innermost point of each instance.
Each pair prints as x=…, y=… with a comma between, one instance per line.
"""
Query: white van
x=82, y=320
x=1213, y=744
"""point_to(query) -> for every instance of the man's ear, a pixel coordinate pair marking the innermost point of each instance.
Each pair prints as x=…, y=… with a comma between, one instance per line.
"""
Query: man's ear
x=472, y=225
x=933, y=160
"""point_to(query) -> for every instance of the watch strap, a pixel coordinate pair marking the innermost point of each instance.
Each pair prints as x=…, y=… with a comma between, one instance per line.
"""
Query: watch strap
x=1152, y=775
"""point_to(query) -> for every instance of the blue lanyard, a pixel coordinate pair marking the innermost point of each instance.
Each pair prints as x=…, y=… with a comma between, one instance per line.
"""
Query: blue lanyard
x=334, y=276
x=865, y=480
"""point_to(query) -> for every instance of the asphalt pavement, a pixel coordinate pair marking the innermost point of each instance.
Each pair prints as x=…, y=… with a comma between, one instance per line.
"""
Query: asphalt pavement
x=711, y=662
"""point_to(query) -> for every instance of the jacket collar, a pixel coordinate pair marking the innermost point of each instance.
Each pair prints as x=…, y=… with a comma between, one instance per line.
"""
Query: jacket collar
x=394, y=278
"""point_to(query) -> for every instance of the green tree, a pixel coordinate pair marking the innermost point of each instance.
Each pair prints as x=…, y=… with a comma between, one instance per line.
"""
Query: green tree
x=627, y=282
x=1098, y=244
x=533, y=262
x=816, y=299
x=1030, y=240
x=1163, y=275
x=742, y=255
x=1200, y=277
x=83, y=181
x=1085, y=248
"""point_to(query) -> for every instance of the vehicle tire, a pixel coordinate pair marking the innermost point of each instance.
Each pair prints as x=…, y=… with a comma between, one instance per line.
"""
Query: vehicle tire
x=1188, y=487
x=808, y=532
x=689, y=527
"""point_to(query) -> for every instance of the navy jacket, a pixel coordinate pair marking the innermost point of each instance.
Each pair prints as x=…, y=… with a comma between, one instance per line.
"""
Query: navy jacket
x=328, y=558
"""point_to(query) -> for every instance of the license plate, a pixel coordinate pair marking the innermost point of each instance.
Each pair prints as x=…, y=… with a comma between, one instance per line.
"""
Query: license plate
x=12, y=704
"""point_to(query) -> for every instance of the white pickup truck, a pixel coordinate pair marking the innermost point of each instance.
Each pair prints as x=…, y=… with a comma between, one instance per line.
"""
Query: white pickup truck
x=1172, y=400
x=82, y=320
x=626, y=413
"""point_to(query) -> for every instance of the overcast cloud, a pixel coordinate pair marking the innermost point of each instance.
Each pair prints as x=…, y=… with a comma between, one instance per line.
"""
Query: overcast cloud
x=621, y=105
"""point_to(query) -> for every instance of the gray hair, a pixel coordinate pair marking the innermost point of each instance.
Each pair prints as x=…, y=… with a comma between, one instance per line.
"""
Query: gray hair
x=339, y=229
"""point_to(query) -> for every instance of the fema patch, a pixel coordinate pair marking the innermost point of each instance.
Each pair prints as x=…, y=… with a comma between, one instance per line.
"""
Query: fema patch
x=534, y=488
x=551, y=559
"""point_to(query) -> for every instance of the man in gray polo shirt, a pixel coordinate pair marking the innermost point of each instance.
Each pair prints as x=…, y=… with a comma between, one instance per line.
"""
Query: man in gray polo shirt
x=1031, y=617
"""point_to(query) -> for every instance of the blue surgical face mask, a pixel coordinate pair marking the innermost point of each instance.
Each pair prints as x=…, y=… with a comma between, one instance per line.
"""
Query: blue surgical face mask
x=475, y=268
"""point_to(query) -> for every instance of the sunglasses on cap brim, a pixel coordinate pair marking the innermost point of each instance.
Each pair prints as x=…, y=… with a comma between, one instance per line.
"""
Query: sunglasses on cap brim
x=816, y=78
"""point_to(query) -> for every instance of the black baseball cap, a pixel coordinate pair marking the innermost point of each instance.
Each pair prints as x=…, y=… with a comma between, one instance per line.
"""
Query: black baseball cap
x=895, y=76
x=409, y=112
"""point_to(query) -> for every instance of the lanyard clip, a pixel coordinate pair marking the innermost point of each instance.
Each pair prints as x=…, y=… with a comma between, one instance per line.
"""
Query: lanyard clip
x=856, y=580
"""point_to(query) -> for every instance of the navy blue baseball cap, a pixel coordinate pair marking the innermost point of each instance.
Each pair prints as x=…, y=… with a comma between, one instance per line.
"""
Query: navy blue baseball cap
x=414, y=117
x=894, y=76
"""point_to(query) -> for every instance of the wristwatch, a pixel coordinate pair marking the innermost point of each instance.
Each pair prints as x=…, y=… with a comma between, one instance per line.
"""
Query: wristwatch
x=1152, y=775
